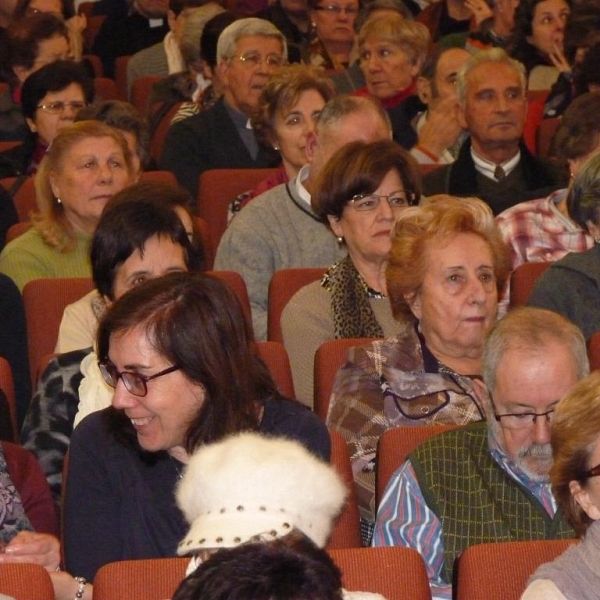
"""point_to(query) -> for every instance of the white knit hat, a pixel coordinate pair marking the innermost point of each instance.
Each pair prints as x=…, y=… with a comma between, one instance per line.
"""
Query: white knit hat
x=251, y=487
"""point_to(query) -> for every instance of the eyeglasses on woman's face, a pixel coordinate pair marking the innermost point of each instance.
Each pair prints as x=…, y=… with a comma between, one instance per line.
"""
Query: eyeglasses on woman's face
x=135, y=383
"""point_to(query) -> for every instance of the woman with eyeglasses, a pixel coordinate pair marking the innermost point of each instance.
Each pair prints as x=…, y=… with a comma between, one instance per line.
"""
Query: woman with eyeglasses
x=331, y=34
x=575, y=479
x=359, y=196
x=446, y=265
x=178, y=352
x=87, y=163
x=51, y=98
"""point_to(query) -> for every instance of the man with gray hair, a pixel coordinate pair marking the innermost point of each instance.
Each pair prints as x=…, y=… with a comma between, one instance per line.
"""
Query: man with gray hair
x=489, y=481
x=249, y=51
x=493, y=163
x=279, y=230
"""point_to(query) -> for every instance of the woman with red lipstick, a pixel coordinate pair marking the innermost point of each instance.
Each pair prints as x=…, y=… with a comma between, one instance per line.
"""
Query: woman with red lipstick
x=179, y=356
x=360, y=194
x=444, y=271
x=87, y=163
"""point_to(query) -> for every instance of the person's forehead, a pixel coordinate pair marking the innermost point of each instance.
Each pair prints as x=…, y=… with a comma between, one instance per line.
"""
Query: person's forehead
x=258, y=43
x=450, y=61
x=492, y=75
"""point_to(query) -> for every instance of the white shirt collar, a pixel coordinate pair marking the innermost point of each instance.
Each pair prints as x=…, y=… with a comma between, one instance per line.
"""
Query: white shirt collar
x=299, y=183
x=487, y=168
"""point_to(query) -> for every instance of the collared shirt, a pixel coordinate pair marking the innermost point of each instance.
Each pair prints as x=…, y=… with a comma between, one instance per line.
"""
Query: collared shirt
x=299, y=183
x=487, y=168
x=241, y=122
x=536, y=231
x=404, y=519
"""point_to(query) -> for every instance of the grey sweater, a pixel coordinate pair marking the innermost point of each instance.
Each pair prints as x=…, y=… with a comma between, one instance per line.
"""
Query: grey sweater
x=275, y=231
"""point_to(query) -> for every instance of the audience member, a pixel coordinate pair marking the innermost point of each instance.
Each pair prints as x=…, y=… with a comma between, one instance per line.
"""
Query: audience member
x=86, y=164
x=31, y=43
x=265, y=571
x=489, y=482
x=493, y=164
x=286, y=116
x=178, y=352
x=543, y=230
x=445, y=269
x=64, y=9
x=291, y=18
x=208, y=60
x=279, y=230
x=574, y=438
x=274, y=480
x=249, y=51
x=143, y=233
x=123, y=35
x=570, y=286
x=359, y=195
x=495, y=30
x=331, y=34
x=445, y=17
x=128, y=121
x=391, y=51
x=50, y=100
x=538, y=40
x=436, y=134
x=164, y=57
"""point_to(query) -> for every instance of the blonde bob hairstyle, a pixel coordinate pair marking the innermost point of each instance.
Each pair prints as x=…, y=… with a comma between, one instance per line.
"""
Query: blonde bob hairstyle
x=432, y=225
x=410, y=36
x=574, y=436
x=50, y=220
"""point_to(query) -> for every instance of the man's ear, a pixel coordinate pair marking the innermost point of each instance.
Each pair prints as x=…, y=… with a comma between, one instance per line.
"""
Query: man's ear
x=171, y=18
x=461, y=115
x=222, y=70
x=31, y=124
x=414, y=302
x=424, y=90
x=312, y=142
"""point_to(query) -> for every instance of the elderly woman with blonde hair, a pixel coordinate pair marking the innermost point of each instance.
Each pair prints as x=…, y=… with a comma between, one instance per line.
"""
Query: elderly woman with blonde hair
x=445, y=269
x=87, y=163
x=391, y=51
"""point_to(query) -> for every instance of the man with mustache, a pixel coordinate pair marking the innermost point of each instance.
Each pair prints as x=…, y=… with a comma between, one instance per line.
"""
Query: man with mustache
x=489, y=482
x=493, y=163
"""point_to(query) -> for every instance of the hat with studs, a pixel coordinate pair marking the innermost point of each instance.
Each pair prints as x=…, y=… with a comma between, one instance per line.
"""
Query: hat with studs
x=251, y=488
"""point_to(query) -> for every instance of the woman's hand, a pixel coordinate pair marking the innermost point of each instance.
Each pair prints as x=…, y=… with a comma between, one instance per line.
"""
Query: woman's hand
x=65, y=587
x=31, y=547
x=557, y=56
x=481, y=11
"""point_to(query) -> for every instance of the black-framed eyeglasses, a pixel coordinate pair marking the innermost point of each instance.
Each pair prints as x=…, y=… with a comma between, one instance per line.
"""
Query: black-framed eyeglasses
x=593, y=472
x=135, y=383
x=58, y=107
x=520, y=420
x=364, y=202
x=254, y=59
x=333, y=9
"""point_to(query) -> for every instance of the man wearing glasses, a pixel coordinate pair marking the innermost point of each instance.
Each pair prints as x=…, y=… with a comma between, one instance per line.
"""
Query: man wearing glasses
x=489, y=482
x=249, y=51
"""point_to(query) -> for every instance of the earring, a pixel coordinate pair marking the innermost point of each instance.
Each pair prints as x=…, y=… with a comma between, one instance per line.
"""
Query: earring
x=340, y=240
x=58, y=200
x=276, y=147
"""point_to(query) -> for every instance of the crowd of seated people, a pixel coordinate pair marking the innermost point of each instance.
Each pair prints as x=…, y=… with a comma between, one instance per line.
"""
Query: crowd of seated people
x=417, y=193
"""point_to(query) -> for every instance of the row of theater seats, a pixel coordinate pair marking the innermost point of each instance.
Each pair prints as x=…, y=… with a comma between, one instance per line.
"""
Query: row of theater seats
x=485, y=572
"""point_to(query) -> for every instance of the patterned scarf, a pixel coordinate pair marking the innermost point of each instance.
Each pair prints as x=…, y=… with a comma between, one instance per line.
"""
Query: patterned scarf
x=12, y=514
x=352, y=314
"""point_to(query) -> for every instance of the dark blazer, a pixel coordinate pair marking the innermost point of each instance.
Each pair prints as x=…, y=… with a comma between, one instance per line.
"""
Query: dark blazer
x=209, y=140
x=460, y=177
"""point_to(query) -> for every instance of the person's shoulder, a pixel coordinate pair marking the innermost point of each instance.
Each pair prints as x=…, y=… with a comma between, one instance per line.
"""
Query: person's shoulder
x=453, y=444
x=30, y=242
x=522, y=210
x=261, y=210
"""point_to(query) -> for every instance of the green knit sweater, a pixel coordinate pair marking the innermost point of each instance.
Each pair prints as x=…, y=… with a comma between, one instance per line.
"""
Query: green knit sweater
x=27, y=258
x=474, y=498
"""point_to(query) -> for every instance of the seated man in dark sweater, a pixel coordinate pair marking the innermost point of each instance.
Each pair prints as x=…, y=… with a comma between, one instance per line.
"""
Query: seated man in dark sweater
x=489, y=482
x=493, y=163
x=249, y=51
